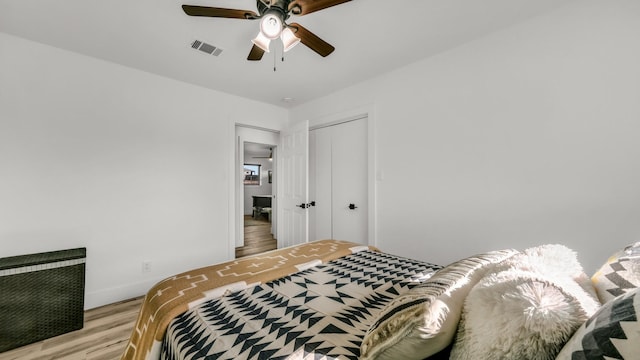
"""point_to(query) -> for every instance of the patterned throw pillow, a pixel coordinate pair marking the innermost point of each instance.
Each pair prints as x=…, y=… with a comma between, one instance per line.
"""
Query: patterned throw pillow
x=613, y=332
x=620, y=274
x=423, y=321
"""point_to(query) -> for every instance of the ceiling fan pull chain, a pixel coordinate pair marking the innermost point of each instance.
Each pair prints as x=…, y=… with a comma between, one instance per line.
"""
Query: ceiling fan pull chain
x=274, y=61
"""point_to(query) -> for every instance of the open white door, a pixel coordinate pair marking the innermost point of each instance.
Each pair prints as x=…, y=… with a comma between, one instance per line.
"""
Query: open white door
x=293, y=218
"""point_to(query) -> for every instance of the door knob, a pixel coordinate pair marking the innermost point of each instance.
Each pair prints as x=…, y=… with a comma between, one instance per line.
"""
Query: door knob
x=352, y=206
x=303, y=205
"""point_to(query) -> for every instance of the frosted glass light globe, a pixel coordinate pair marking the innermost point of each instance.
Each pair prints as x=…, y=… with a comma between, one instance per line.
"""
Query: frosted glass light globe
x=271, y=26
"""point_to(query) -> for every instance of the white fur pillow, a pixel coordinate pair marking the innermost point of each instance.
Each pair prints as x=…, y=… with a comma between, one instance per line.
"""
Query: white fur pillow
x=553, y=261
x=423, y=321
x=528, y=310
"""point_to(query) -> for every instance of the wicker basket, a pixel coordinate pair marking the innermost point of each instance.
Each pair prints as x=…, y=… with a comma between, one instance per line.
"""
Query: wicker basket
x=41, y=296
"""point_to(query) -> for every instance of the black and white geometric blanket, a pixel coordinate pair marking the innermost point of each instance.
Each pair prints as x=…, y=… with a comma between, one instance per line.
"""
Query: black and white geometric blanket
x=319, y=313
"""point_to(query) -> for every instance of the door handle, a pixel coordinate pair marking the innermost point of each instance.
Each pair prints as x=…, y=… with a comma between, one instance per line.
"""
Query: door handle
x=352, y=206
x=306, y=206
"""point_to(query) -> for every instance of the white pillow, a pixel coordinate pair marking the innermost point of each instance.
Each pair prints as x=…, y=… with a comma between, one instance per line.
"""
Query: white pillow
x=518, y=314
x=423, y=321
x=613, y=332
x=553, y=261
x=620, y=274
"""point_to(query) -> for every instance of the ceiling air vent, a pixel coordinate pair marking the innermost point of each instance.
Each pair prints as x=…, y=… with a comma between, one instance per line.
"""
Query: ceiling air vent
x=207, y=48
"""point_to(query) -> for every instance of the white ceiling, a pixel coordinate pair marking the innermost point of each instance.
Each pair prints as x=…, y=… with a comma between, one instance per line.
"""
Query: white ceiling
x=254, y=149
x=370, y=36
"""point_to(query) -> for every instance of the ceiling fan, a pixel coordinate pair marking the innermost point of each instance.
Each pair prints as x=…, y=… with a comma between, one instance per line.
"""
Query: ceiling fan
x=273, y=15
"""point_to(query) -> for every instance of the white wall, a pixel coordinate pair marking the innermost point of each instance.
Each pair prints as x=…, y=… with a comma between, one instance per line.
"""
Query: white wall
x=133, y=166
x=524, y=137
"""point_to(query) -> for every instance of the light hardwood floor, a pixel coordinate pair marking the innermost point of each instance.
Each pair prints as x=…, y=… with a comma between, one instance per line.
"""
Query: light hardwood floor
x=107, y=328
x=257, y=237
x=104, y=336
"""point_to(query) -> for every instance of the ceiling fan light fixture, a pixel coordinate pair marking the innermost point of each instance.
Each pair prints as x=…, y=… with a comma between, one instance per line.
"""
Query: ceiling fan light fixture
x=272, y=16
x=262, y=42
x=271, y=25
x=289, y=39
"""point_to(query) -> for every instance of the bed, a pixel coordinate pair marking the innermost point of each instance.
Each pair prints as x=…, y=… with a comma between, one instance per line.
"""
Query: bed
x=316, y=298
x=339, y=300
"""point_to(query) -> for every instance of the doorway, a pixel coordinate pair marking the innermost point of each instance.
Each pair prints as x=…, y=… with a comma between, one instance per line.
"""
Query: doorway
x=256, y=229
x=287, y=228
x=258, y=175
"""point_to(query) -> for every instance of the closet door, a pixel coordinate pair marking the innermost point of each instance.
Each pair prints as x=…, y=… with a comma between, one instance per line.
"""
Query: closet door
x=349, y=181
x=320, y=173
x=338, y=182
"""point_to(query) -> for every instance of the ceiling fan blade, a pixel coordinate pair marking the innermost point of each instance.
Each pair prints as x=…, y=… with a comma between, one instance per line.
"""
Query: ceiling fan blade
x=194, y=10
x=255, y=54
x=303, y=7
x=311, y=40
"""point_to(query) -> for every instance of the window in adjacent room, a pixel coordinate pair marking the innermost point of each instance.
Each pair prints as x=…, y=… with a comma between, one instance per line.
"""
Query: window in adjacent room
x=252, y=174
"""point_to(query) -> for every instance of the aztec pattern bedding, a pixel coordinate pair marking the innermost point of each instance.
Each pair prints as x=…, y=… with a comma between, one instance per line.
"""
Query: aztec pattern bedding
x=322, y=312
x=181, y=292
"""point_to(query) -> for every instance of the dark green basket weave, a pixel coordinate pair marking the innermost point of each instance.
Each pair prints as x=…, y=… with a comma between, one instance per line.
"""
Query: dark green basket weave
x=41, y=296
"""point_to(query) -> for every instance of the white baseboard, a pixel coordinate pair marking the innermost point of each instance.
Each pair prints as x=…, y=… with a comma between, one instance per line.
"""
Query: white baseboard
x=116, y=294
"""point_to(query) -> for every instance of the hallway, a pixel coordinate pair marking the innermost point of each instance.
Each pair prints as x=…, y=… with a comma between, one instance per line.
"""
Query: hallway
x=257, y=237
